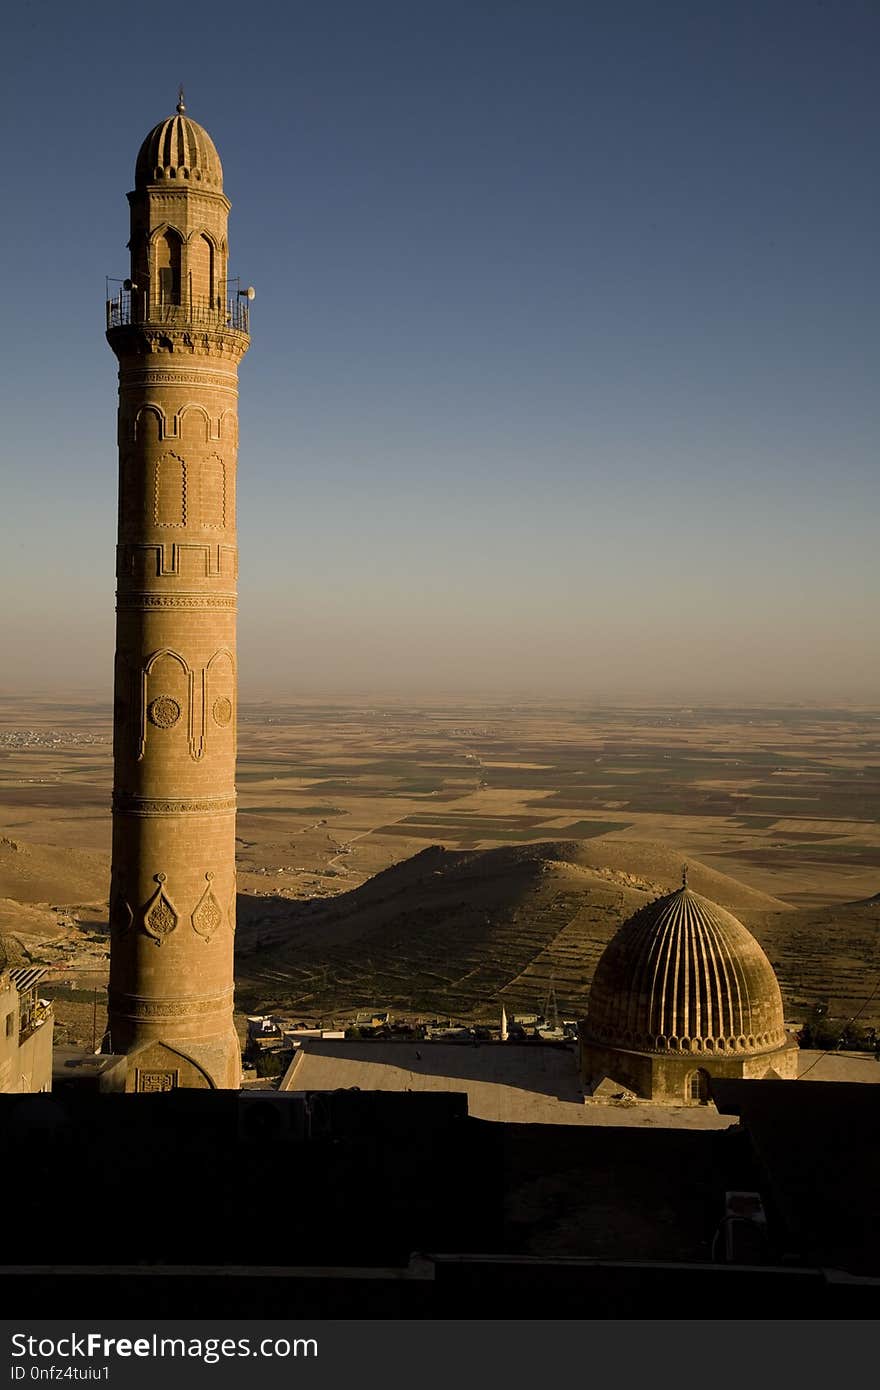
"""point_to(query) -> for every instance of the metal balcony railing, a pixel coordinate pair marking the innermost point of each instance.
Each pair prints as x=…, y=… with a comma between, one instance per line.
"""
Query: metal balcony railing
x=126, y=308
x=33, y=1017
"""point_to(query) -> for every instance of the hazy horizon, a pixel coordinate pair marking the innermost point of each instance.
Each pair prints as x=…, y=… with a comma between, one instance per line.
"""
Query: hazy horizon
x=329, y=697
x=563, y=370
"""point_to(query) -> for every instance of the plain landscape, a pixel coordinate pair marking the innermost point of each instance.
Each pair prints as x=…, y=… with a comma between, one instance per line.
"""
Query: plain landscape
x=442, y=859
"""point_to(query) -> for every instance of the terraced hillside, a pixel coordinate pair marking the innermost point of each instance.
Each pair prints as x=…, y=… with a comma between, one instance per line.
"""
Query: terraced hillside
x=828, y=957
x=461, y=932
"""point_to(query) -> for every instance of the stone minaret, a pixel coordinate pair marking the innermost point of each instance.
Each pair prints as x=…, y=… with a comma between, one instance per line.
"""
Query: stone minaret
x=179, y=338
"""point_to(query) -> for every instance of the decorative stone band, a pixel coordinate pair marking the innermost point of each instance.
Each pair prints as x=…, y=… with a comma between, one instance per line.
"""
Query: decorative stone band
x=151, y=376
x=132, y=340
x=156, y=560
x=157, y=806
x=141, y=602
x=138, y=1008
x=720, y=1047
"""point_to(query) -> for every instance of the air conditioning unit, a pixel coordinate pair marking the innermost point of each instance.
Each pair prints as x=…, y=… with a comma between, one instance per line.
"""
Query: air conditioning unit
x=745, y=1228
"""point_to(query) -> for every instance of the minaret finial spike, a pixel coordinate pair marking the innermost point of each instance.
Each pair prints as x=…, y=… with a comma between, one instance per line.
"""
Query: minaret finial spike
x=684, y=875
x=180, y=104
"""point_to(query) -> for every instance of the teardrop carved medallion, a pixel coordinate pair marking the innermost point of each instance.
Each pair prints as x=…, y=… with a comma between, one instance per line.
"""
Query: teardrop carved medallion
x=160, y=914
x=208, y=914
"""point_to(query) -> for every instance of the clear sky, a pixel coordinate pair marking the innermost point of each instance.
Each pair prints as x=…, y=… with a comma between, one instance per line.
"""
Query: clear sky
x=563, y=377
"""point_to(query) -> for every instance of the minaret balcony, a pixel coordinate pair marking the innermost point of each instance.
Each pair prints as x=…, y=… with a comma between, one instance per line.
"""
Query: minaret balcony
x=127, y=309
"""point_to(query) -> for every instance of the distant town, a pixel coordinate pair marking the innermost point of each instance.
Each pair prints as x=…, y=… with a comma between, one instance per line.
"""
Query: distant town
x=273, y=1039
x=27, y=739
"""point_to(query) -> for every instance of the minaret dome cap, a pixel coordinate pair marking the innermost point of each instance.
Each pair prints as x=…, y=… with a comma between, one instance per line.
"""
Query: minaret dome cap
x=179, y=149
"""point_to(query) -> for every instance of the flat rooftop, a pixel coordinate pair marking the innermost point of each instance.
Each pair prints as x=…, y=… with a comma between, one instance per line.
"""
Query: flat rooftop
x=517, y=1083
x=838, y=1066
x=73, y=1059
x=513, y=1083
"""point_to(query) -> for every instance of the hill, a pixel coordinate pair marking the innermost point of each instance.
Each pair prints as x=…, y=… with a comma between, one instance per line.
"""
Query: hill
x=827, y=957
x=457, y=932
x=32, y=873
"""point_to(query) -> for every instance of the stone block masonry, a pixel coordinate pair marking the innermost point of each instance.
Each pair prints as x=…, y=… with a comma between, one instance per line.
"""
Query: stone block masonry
x=179, y=338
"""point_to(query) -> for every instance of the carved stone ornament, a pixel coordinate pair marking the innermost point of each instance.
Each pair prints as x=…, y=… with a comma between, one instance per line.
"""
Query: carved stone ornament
x=148, y=1081
x=208, y=913
x=121, y=915
x=232, y=911
x=224, y=343
x=158, y=806
x=160, y=914
x=141, y=602
x=142, y=374
x=164, y=712
x=138, y=1009
x=222, y=710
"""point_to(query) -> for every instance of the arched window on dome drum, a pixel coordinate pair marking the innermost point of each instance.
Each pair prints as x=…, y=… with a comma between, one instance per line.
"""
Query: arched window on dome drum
x=698, y=1086
x=168, y=247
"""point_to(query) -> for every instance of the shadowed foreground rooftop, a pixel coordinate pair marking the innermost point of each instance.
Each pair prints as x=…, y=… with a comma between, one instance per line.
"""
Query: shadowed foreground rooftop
x=401, y=1205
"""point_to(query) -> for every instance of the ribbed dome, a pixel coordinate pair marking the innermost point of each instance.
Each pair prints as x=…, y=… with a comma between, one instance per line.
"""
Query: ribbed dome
x=683, y=975
x=177, y=148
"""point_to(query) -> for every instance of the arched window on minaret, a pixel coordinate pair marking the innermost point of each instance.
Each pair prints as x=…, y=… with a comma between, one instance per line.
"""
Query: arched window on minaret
x=222, y=286
x=201, y=271
x=168, y=249
x=140, y=273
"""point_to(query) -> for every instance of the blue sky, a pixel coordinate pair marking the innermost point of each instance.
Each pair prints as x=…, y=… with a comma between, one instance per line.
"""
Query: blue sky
x=565, y=346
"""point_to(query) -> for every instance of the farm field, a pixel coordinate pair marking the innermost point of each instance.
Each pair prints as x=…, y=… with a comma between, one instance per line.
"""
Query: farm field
x=779, y=808
x=787, y=801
